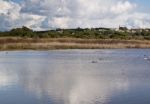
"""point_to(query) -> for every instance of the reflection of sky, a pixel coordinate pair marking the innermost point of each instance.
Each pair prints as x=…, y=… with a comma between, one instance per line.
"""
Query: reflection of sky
x=4, y=79
x=70, y=77
x=7, y=76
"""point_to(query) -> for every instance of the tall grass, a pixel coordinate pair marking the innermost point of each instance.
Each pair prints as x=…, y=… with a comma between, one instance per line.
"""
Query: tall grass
x=17, y=43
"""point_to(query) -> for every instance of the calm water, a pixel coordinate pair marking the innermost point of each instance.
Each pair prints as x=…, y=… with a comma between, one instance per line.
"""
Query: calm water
x=75, y=77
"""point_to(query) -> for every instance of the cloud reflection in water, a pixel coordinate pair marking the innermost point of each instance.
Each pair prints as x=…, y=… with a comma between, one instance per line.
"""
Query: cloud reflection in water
x=67, y=78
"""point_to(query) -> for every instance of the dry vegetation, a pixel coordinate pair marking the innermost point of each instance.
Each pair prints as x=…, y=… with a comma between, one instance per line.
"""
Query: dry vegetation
x=17, y=43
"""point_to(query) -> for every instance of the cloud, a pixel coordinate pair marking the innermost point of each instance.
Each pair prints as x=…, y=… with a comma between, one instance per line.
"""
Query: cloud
x=50, y=14
x=11, y=17
x=138, y=20
x=122, y=7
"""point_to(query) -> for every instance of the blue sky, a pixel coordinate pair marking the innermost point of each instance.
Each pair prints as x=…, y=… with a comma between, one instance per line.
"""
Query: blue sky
x=50, y=14
x=142, y=4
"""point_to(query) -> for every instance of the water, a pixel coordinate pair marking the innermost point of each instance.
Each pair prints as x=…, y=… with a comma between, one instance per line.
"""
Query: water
x=75, y=77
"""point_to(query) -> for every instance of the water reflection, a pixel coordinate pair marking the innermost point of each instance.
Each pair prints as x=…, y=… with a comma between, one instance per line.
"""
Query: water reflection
x=69, y=77
x=7, y=77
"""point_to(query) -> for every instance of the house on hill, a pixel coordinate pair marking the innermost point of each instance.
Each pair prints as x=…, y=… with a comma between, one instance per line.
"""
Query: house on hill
x=123, y=29
x=136, y=30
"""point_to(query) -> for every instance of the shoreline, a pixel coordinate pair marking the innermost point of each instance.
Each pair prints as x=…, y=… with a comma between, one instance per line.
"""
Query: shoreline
x=18, y=43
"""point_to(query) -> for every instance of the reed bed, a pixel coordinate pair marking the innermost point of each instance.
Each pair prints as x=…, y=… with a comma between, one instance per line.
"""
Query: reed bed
x=17, y=43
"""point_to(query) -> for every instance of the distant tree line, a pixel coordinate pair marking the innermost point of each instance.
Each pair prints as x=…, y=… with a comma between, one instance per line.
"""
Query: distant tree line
x=86, y=33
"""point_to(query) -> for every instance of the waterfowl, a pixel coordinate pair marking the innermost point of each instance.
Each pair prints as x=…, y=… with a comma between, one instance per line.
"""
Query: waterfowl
x=146, y=57
x=94, y=61
x=100, y=59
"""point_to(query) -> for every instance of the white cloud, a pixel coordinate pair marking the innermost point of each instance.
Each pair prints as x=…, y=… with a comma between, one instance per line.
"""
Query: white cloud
x=122, y=7
x=11, y=17
x=47, y=14
x=140, y=20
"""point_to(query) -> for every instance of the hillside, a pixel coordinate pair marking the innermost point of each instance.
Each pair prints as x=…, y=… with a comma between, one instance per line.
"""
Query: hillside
x=92, y=33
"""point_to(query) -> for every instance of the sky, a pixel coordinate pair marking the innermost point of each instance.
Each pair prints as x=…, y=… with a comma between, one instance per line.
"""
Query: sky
x=51, y=14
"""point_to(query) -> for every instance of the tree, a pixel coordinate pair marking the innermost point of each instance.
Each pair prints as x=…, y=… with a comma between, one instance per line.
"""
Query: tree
x=22, y=32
